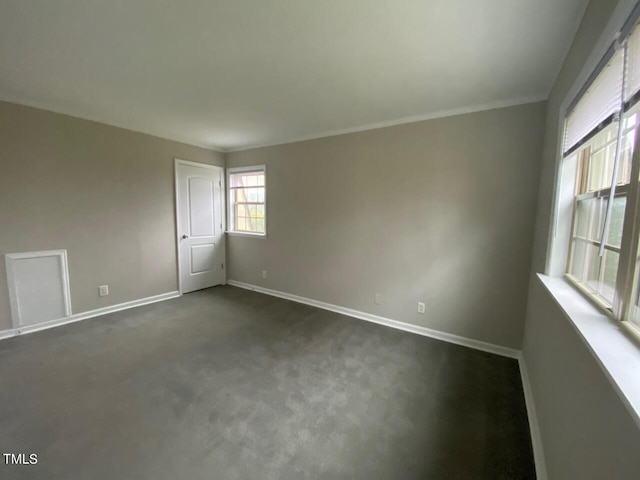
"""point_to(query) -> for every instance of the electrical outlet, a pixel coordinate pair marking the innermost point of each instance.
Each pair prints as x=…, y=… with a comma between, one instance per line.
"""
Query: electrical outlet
x=420, y=307
x=104, y=290
x=378, y=299
x=264, y=274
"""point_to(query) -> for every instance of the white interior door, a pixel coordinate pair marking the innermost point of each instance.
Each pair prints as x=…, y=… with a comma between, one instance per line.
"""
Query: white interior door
x=200, y=198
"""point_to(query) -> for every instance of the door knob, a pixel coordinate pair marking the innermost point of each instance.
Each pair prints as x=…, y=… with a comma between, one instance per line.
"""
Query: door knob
x=185, y=236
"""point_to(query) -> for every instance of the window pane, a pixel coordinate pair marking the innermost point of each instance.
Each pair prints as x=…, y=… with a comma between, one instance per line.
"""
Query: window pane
x=577, y=265
x=250, y=218
x=246, y=179
x=583, y=216
x=614, y=236
x=597, y=219
x=240, y=195
x=596, y=160
x=236, y=180
x=609, y=273
x=599, y=274
x=257, y=218
x=601, y=167
x=241, y=224
x=247, y=193
x=610, y=160
x=590, y=218
x=241, y=210
x=592, y=268
x=596, y=171
x=605, y=136
x=624, y=169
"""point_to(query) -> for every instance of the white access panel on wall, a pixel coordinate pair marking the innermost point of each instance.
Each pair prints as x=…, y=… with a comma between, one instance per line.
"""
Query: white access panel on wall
x=38, y=286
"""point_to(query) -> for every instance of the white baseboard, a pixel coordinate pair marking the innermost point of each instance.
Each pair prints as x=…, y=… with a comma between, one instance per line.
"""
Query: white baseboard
x=536, y=437
x=407, y=327
x=85, y=315
x=11, y=332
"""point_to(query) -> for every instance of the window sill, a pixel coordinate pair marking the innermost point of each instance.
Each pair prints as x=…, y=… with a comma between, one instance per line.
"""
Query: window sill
x=244, y=234
x=613, y=344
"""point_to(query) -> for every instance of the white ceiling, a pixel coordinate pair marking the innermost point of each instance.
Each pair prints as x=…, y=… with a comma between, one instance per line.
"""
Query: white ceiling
x=229, y=74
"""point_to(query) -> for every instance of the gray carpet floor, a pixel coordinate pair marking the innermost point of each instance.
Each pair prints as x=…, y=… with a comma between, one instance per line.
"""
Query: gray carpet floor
x=230, y=384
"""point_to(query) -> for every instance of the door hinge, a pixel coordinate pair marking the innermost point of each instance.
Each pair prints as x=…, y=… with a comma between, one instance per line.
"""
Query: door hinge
x=222, y=266
x=220, y=183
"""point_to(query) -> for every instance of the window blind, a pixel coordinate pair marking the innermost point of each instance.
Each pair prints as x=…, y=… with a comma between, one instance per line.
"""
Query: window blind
x=632, y=84
x=598, y=103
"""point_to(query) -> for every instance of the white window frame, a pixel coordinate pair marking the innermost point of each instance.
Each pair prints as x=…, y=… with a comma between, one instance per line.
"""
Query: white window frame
x=230, y=203
x=613, y=344
x=562, y=199
x=626, y=274
x=560, y=230
x=625, y=270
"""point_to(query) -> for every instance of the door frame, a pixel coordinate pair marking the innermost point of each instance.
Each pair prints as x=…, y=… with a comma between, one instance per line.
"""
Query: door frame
x=176, y=163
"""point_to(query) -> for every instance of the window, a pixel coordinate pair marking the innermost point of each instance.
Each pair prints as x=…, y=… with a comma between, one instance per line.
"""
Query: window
x=600, y=136
x=247, y=200
x=595, y=163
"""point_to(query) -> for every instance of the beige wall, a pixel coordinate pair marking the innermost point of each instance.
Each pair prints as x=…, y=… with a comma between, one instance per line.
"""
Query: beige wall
x=440, y=211
x=586, y=431
x=103, y=193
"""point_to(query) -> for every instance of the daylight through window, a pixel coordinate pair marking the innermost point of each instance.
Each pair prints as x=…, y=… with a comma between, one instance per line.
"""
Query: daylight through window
x=600, y=136
x=247, y=206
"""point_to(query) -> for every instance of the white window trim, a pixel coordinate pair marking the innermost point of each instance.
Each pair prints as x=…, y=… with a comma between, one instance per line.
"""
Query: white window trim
x=562, y=200
x=616, y=308
x=248, y=168
x=560, y=231
x=612, y=343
